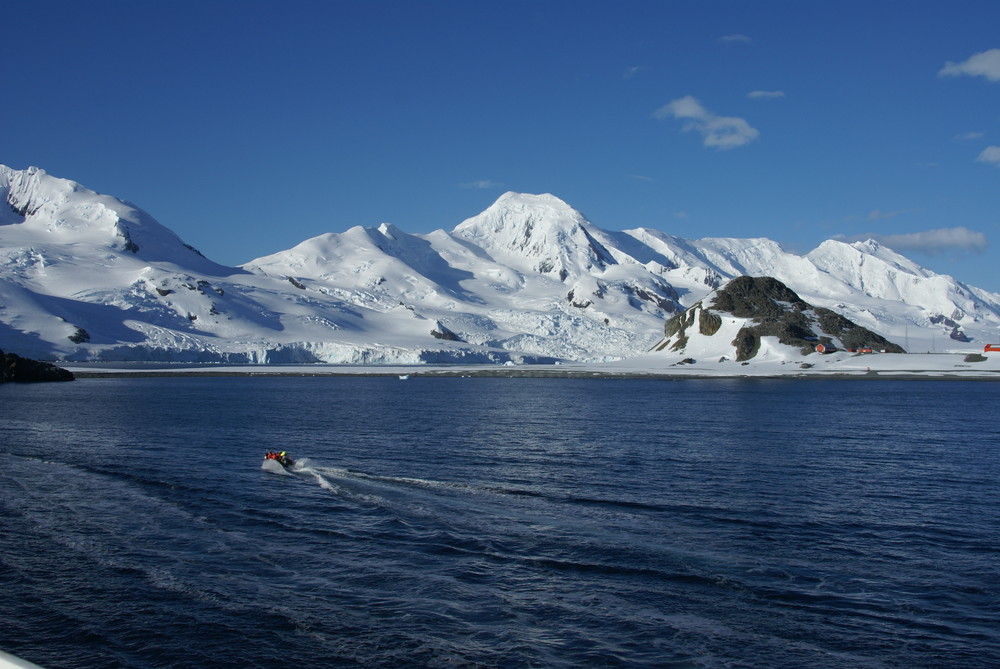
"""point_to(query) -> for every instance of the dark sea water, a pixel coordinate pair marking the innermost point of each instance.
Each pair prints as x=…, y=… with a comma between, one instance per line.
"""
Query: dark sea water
x=500, y=523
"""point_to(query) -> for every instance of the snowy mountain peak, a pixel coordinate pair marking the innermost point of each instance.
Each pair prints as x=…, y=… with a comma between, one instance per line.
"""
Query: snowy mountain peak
x=391, y=231
x=538, y=233
x=27, y=191
x=46, y=210
x=834, y=253
x=88, y=276
x=513, y=212
x=867, y=246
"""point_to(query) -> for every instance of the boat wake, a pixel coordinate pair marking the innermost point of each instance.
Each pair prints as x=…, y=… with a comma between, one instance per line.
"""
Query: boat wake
x=474, y=508
x=275, y=467
x=381, y=490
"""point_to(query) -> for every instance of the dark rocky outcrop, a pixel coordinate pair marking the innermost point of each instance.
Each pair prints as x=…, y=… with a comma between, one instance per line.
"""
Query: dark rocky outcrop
x=709, y=323
x=81, y=336
x=776, y=311
x=441, y=332
x=757, y=297
x=851, y=334
x=15, y=369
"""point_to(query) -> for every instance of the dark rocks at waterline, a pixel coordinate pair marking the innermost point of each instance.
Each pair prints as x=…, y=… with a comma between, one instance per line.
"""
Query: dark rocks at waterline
x=15, y=369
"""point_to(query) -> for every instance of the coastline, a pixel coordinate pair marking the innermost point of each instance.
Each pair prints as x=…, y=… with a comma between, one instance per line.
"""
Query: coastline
x=942, y=366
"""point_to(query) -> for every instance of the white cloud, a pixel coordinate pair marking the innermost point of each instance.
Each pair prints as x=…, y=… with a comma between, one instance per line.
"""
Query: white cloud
x=991, y=154
x=719, y=132
x=984, y=64
x=685, y=107
x=735, y=39
x=765, y=95
x=482, y=184
x=930, y=242
x=969, y=135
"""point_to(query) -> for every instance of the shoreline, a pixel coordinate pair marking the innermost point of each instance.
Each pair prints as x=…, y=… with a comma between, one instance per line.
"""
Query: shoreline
x=951, y=366
x=547, y=373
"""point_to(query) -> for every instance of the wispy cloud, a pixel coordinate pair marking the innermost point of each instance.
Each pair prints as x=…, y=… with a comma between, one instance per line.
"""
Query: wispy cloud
x=719, y=132
x=991, y=154
x=969, y=135
x=983, y=64
x=765, y=95
x=482, y=184
x=640, y=177
x=735, y=39
x=632, y=72
x=929, y=242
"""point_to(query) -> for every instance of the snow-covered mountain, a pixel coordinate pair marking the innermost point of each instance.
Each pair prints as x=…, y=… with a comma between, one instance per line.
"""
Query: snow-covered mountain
x=85, y=276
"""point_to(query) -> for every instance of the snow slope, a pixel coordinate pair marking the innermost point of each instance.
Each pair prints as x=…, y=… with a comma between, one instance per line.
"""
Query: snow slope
x=84, y=276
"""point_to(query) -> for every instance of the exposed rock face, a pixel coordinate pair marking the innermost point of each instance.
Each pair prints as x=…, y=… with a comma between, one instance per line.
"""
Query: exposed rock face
x=441, y=332
x=709, y=323
x=14, y=368
x=770, y=308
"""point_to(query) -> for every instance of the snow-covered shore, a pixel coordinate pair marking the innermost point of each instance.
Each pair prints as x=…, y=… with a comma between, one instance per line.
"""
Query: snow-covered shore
x=838, y=365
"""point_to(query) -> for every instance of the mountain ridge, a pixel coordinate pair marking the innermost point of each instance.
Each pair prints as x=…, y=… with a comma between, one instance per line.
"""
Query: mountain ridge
x=85, y=276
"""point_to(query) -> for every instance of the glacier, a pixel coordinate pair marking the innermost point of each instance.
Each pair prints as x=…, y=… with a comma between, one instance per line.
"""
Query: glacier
x=88, y=277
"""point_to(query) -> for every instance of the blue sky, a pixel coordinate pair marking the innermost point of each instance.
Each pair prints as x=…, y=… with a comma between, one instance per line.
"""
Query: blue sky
x=250, y=126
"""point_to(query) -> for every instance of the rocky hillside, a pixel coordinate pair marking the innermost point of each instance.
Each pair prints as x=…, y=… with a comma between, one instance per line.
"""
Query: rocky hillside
x=14, y=368
x=734, y=321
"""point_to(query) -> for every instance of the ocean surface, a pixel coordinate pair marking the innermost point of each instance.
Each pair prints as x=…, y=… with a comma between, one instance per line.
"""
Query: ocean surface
x=458, y=522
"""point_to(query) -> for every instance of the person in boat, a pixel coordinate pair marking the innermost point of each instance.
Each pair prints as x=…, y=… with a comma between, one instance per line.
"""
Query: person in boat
x=281, y=457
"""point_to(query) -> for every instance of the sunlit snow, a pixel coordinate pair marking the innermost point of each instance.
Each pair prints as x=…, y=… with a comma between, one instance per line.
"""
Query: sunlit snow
x=85, y=276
